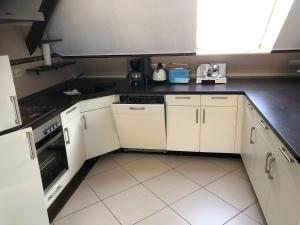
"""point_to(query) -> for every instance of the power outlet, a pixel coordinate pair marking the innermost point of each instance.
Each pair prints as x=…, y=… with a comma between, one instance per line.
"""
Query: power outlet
x=17, y=72
x=294, y=62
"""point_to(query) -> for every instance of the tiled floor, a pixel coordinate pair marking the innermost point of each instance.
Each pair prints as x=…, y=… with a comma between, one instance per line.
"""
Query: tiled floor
x=150, y=189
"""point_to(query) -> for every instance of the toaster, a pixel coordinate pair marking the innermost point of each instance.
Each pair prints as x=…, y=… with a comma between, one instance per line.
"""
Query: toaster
x=179, y=76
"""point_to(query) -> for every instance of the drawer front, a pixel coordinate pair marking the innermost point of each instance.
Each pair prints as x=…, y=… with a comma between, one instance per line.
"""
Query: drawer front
x=56, y=189
x=138, y=109
x=96, y=103
x=219, y=100
x=193, y=100
x=70, y=113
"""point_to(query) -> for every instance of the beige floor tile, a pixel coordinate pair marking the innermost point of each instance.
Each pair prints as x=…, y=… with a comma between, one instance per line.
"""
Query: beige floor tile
x=111, y=182
x=227, y=163
x=202, y=171
x=81, y=198
x=203, y=208
x=241, y=171
x=254, y=211
x=163, y=217
x=241, y=219
x=102, y=165
x=133, y=205
x=174, y=160
x=235, y=190
x=93, y=215
x=124, y=158
x=171, y=186
x=146, y=168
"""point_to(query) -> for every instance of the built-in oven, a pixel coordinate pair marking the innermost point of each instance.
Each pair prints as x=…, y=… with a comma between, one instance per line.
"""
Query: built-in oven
x=51, y=151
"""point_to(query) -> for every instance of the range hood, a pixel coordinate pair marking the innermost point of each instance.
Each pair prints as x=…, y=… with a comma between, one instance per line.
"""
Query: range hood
x=20, y=10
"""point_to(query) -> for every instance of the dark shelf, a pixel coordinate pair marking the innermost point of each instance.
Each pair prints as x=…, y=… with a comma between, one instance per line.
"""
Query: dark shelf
x=54, y=66
x=50, y=41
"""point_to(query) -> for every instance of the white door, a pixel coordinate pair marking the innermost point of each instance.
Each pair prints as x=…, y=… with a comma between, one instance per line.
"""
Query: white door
x=9, y=112
x=183, y=128
x=140, y=126
x=217, y=133
x=100, y=132
x=74, y=144
x=21, y=190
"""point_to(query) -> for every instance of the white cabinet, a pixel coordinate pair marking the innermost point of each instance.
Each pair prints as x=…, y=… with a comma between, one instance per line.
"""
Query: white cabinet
x=71, y=122
x=217, y=132
x=21, y=190
x=99, y=131
x=140, y=125
x=183, y=128
x=9, y=112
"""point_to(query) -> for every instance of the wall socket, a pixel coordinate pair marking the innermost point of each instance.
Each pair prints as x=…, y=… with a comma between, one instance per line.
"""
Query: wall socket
x=294, y=62
x=17, y=72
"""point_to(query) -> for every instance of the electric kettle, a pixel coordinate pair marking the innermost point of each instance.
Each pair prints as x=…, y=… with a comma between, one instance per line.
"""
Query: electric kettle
x=159, y=74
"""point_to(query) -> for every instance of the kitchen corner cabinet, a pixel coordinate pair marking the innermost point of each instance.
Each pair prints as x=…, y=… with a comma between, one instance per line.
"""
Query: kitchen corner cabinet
x=73, y=136
x=183, y=128
x=21, y=190
x=98, y=125
x=9, y=113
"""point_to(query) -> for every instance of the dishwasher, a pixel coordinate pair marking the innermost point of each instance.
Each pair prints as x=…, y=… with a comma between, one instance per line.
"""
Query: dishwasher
x=140, y=121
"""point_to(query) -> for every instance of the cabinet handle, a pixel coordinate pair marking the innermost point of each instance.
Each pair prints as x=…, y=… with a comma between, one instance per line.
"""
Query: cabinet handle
x=197, y=115
x=283, y=151
x=31, y=145
x=271, y=161
x=183, y=97
x=251, y=135
x=203, y=116
x=14, y=101
x=137, y=108
x=67, y=136
x=71, y=110
x=269, y=154
x=55, y=192
x=219, y=97
x=262, y=123
x=84, y=122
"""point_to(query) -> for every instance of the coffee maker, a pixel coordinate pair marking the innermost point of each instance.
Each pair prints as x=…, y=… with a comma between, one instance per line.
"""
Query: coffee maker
x=139, y=71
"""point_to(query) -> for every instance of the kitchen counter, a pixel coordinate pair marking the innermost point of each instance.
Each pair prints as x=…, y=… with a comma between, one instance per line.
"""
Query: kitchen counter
x=276, y=99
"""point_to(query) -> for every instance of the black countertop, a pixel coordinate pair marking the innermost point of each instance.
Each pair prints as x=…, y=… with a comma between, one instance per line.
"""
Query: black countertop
x=276, y=99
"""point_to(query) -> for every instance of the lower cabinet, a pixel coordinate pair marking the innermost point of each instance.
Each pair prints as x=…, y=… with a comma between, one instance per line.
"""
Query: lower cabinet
x=99, y=131
x=183, y=128
x=73, y=136
x=217, y=132
x=21, y=190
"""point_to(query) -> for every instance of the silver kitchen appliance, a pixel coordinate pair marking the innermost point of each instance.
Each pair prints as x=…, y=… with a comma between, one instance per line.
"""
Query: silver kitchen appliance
x=211, y=74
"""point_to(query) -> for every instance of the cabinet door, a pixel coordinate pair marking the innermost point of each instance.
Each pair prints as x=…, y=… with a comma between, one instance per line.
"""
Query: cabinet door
x=284, y=194
x=9, y=113
x=21, y=190
x=100, y=133
x=74, y=144
x=217, y=133
x=248, y=138
x=183, y=128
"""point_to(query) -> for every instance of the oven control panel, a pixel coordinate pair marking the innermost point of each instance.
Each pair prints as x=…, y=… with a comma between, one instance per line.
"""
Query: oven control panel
x=52, y=128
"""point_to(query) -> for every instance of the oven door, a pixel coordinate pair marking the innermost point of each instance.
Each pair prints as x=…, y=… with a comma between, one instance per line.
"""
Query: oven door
x=52, y=157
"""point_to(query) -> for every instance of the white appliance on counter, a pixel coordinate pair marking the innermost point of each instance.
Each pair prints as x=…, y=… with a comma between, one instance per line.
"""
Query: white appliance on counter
x=9, y=112
x=211, y=74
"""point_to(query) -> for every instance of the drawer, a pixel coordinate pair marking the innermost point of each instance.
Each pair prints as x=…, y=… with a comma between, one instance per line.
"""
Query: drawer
x=135, y=109
x=57, y=188
x=70, y=113
x=193, y=100
x=96, y=103
x=219, y=100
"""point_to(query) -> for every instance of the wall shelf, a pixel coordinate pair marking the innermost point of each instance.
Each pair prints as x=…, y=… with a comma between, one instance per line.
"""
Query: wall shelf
x=54, y=66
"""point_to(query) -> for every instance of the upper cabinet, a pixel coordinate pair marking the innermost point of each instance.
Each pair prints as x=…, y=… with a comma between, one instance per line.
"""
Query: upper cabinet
x=20, y=10
x=289, y=37
x=124, y=27
x=9, y=112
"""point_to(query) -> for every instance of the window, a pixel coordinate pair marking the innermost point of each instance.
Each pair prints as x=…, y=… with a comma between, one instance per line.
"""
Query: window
x=239, y=26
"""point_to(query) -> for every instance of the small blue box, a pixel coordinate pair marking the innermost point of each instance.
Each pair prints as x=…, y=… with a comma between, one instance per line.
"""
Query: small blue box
x=179, y=76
